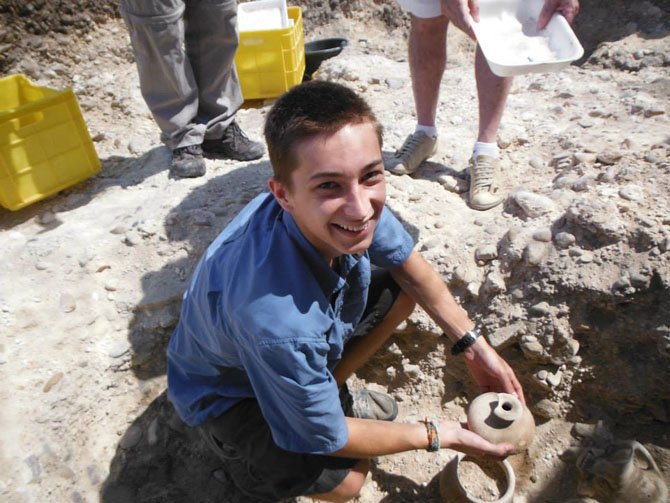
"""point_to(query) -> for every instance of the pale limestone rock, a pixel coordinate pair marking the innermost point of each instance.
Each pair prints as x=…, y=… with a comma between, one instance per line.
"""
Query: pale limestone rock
x=533, y=205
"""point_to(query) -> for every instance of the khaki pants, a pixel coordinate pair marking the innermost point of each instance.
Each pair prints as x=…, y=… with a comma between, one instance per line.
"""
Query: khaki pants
x=185, y=51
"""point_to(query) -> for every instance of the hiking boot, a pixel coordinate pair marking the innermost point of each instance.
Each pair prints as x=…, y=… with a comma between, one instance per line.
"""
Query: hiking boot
x=485, y=191
x=367, y=404
x=417, y=148
x=187, y=162
x=234, y=145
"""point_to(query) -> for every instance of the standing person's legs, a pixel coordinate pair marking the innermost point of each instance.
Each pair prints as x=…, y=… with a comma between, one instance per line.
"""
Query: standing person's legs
x=156, y=29
x=427, y=53
x=211, y=43
x=212, y=39
x=427, y=61
x=157, y=34
x=492, y=92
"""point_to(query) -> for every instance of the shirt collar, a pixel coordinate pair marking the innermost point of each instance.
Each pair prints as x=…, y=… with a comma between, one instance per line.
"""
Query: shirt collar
x=329, y=280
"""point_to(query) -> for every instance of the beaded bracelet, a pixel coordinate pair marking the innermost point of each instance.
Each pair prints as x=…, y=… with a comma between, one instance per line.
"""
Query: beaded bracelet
x=433, y=435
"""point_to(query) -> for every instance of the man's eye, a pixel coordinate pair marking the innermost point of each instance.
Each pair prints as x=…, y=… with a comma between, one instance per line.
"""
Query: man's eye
x=372, y=175
x=327, y=185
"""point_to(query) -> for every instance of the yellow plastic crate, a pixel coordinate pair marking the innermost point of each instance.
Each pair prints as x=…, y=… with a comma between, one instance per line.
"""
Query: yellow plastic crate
x=44, y=143
x=270, y=62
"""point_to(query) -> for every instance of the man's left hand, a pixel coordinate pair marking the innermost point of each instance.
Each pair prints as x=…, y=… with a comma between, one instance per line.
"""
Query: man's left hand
x=490, y=371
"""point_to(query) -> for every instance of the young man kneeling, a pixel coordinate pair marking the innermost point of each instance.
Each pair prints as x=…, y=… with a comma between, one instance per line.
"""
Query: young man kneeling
x=295, y=295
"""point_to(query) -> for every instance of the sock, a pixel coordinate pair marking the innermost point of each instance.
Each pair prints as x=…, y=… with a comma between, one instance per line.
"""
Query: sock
x=429, y=130
x=481, y=148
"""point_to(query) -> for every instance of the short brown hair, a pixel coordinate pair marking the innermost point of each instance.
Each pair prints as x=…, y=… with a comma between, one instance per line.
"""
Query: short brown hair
x=312, y=108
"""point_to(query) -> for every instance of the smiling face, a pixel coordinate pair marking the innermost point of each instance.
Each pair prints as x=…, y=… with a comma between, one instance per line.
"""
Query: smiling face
x=337, y=190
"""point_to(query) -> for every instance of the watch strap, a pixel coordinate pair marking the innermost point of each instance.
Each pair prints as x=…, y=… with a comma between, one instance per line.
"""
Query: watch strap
x=466, y=341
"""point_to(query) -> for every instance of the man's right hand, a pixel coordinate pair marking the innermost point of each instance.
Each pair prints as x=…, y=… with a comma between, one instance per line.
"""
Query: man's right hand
x=462, y=13
x=457, y=436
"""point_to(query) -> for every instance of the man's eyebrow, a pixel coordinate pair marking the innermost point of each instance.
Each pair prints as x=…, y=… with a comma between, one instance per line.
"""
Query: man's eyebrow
x=337, y=174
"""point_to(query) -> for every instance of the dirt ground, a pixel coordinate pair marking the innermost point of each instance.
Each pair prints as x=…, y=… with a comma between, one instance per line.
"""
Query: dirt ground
x=570, y=277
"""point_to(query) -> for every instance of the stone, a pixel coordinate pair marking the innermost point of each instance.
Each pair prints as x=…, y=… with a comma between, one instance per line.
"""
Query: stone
x=46, y=218
x=53, y=380
x=585, y=157
x=533, y=205
x=132, y=239
x=540, y=309
x=555, y=378
x=546, y=409
x=564, y=240
x=584, y=182
x=599, y=217
x=542, y=375
x=131, y=437
x=494, y=283
x=608, y=156
x=152, y=432
x=639, y=280
x=119, y=349
x=534, y=252
x=536, y=163
x=631, y=192
x=486, y=253
x=67, y=302
x=412, y=370
x=542, y=235
x=533, y=351
x=585, y=258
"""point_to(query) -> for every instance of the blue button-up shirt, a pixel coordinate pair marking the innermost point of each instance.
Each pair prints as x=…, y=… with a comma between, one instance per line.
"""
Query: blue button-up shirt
x=265, y=316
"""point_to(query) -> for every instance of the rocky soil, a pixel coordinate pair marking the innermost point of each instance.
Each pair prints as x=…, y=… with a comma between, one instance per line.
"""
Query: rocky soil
x=570, y=276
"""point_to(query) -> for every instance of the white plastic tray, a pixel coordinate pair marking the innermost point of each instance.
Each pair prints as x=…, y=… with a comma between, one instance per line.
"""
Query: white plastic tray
x=262, y=15
x=508, y=36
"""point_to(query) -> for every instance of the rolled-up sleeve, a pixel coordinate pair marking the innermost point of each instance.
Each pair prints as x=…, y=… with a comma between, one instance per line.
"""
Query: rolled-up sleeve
x=297, y=394
x=391, y=244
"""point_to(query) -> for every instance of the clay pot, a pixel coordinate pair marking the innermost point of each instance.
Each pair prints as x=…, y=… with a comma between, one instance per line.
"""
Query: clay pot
x=620, y=473
x=453, y=489
x=501, y=417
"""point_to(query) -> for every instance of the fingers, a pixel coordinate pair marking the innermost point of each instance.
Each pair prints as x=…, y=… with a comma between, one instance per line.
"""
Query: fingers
x=459, y=13
x=474, y=9
x=464, y=440
x=567, y=8
x=516, y=385
x=547, y=11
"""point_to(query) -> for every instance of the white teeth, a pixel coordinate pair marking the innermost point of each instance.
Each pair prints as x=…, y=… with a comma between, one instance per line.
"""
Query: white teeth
x=354, y=229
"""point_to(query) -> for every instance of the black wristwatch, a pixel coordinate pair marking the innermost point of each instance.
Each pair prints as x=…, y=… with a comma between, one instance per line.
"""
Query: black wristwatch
x=466, y=341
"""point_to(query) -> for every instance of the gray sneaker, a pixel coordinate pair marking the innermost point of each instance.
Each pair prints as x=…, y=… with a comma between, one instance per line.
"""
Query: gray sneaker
x=417, y=148
x=485, y=191
x=367, y=404
x=187, y=162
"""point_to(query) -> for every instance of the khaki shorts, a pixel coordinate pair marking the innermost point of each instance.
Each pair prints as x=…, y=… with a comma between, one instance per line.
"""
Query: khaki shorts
x=422, y=8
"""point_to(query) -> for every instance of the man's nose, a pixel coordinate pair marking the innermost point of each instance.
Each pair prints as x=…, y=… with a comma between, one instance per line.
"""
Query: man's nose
x=357, y=203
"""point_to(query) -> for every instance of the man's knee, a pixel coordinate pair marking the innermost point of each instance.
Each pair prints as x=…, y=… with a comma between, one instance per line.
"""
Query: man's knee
x=429, y=27
x=352, y=484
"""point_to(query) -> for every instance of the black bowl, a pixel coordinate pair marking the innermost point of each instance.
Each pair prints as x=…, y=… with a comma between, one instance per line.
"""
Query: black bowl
x=320, y=50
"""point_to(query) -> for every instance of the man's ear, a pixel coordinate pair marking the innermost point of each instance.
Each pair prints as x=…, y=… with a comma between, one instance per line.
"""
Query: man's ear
x=280, y=192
